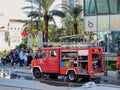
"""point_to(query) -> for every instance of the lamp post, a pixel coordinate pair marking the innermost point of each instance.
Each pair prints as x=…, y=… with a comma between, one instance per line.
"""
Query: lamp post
x=40, y=35
x=108, y=50
x=31, y=18
x=30, y=36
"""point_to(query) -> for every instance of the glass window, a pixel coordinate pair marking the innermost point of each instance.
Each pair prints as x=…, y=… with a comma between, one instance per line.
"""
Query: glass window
x=43, y=54
x=96, y=61
x=102, y=6
x=71, y=2
x=114, y=6
x=11, y=28
x=53, y=53
x=90, y=8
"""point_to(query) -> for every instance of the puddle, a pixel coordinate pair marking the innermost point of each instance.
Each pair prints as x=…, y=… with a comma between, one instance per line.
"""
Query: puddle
x=23, y=76
x=9, y=74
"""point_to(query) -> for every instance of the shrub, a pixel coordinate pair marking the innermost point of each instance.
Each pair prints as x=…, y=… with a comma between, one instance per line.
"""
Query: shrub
x=111, y=62
x=113, y=66
x=22, y=45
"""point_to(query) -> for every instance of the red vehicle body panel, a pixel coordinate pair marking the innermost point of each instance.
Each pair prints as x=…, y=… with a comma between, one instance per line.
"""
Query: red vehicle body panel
x=56, y=64
x=118, y=62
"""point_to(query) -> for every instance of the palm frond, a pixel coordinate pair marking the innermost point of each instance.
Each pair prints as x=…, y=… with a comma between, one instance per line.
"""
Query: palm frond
x=33, y=14
x=53, y=20
x=27, y=7
x=57, y=13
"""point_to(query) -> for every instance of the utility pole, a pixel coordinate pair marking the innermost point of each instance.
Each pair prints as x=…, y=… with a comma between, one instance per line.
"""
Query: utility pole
x=30, y=36
x=39, y=15
x=40, y=35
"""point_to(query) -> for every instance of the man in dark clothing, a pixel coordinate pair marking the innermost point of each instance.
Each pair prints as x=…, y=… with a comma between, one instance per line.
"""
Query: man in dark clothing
x=30, y=58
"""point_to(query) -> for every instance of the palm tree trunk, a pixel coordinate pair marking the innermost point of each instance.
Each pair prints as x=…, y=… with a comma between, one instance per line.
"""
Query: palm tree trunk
x=46, y=19
x=75, y=28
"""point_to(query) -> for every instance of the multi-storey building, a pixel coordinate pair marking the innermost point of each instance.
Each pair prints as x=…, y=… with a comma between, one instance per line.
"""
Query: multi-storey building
x=105, y=14
x=72, y=2
x=15, y=28
x=10, y=32
x=3, y=27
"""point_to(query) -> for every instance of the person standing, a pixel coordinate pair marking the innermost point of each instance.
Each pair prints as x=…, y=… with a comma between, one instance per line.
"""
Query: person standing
x=0, y=62
x=21, y=56
x=30, y=58
x=4, y=57
x=25, y=58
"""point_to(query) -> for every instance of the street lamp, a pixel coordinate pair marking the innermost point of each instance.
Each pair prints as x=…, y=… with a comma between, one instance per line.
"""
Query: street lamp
x=108, y=50
x=40, y=36
x=30, y=36
x=31, y=18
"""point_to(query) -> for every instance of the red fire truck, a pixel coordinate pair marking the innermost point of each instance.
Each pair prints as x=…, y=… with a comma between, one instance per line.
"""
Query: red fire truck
x=73, y=62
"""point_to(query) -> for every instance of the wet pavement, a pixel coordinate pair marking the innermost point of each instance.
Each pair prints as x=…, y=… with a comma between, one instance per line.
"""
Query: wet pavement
x=25, y=73
x=16, y=73
x=112, y=78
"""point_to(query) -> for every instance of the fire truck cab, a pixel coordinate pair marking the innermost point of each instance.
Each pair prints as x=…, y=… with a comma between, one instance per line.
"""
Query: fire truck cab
x=73, y=62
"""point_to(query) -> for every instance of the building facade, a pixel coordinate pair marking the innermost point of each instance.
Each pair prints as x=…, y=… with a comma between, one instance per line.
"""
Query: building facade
x=15, y=28
x=102, y=18
x=72, y=2
x=10, y=32
x=3, y=27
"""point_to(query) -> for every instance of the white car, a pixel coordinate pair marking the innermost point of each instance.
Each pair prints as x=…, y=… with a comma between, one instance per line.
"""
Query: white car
x=93, y=86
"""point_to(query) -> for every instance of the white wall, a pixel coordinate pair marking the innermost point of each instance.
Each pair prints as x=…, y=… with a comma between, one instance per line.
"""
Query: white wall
x=15, y=29
x=3, y=44
x=14, y=33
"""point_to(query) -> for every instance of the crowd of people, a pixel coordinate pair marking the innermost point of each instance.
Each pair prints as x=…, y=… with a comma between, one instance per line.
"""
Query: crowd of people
x=21, y=57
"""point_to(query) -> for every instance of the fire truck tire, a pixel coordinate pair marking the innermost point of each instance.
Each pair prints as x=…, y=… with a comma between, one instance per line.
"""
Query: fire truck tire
x=37, y=73
x=71, y=76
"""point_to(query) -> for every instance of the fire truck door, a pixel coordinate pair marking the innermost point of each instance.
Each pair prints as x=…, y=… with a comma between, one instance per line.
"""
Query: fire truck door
x=53, y=62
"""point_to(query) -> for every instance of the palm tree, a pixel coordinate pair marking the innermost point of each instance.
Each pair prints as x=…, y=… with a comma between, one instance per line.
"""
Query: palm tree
x=73, y=14
x=46, y=13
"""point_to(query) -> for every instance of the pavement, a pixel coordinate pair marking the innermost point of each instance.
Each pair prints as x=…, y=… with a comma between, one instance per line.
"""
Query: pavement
x=111, y=78
x=16, y=72
x=17, y=84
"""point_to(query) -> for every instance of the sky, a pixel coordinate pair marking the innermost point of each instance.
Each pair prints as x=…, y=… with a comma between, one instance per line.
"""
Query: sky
x=12, y=8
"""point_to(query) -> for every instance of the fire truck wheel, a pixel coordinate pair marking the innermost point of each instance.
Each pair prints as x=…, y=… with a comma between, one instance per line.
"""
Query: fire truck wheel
x=37, y=73
x=72, y=76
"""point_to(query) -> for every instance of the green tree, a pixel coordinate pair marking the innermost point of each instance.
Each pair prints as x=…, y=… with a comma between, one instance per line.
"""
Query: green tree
x=46, y=13
x=72, y=16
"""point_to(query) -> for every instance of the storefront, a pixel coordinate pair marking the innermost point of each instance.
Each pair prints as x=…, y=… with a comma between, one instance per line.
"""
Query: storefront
x=103, y=17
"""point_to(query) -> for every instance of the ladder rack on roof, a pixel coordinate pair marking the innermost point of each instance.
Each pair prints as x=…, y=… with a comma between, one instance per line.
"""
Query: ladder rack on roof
x=79, y=45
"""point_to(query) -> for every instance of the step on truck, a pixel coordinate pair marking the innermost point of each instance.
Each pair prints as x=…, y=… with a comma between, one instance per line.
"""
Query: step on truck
x=71, y=61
